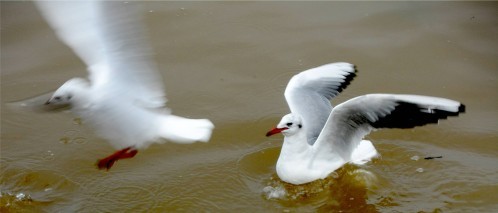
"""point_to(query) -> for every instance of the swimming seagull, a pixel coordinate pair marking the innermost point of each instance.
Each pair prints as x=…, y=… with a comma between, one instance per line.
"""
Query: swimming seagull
x=123, y=98
x=320, y=139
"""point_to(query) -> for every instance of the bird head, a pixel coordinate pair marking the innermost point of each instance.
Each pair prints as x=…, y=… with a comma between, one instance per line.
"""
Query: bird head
x=289, y=125
x=70, y=90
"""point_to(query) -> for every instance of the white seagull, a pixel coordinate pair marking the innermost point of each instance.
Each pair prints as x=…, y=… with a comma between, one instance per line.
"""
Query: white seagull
x=123, y=98
x=320, y=139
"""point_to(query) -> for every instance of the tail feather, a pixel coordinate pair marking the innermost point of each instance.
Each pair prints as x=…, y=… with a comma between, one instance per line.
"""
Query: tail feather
x=363, y=153
x=184, y=130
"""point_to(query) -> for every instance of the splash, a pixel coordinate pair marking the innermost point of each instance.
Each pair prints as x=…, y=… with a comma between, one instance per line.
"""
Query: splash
x=277, y=192
x=349, y=176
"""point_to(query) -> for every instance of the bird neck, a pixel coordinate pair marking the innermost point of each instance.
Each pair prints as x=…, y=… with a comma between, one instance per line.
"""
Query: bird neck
x=295, y=146
x=81, y=99
x=294, y=160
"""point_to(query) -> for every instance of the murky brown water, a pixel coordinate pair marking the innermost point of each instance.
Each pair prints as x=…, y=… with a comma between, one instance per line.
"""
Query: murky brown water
x=230, y=62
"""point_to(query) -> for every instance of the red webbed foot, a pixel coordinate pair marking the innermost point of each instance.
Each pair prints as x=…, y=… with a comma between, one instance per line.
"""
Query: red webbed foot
x=107, y=162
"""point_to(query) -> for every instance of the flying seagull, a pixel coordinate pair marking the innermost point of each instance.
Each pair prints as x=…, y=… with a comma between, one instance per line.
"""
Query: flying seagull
x=123, y=98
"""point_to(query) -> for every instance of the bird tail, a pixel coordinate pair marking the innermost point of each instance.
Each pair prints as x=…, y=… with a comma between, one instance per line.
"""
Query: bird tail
x=363, y=153
x=184, y=130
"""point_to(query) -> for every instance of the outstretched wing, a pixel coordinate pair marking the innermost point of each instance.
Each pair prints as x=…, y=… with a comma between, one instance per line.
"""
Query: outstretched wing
x=350, y=121
x=308, y=94
x=110, y=38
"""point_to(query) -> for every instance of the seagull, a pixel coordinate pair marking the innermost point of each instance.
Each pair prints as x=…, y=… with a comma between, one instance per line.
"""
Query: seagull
x=319, y=138
x=123, y=98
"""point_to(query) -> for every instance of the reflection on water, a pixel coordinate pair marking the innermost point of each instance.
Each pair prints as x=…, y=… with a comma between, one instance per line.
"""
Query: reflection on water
x=344, y=190
x=230, y=62
x=402, y=175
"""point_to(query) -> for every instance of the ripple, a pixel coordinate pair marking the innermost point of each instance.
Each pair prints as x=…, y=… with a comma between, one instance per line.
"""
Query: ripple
x=71, y=133
x=80, y=140
x=257, y=166
x=22, y=190
x=344, y=189
x=344, y=177
x=185, y=203
x=73, y=137
x=12, y=202
x=48, y=155
x=113, y=197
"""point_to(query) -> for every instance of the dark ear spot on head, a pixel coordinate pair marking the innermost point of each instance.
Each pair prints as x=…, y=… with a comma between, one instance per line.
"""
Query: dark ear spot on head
x=69, y=97
x=300, y=126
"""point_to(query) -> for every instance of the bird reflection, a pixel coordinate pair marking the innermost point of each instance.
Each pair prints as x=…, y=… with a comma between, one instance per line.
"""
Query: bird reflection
x=345, y=190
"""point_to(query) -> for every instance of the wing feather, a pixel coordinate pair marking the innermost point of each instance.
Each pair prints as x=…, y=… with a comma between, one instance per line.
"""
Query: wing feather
x=308, y=94
x=350, y=121
x=110, y=38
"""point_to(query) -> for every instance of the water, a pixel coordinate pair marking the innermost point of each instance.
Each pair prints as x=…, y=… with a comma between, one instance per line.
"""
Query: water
x=230, y=62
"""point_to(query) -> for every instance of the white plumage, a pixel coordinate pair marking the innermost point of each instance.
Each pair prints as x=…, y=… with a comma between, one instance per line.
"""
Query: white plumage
x=320, y=139
x=123, y=97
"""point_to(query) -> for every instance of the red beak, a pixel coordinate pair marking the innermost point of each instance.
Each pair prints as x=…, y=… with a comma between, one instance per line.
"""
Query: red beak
x=275, y=131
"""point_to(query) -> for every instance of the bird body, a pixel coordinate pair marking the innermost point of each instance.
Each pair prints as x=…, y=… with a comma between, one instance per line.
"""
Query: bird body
x=123, y=98
x=320, y=138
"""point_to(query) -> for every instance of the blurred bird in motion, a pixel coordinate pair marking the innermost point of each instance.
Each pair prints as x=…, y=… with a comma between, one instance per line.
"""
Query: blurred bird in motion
x=123, y=98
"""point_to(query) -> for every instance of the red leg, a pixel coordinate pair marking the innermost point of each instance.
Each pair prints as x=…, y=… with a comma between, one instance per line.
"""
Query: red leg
x=107, y=162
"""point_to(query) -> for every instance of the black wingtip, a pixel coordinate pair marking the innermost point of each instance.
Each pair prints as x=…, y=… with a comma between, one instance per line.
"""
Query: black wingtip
x=347, y=80
x=409, y=115
x=461, y=108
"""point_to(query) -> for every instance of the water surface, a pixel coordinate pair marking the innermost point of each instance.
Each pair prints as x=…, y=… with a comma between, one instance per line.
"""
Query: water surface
x=230, y=62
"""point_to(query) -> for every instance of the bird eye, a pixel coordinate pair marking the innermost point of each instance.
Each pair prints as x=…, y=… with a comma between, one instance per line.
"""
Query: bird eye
x=57, y=98
x=288, y=124
x=299, y=126
x=69, y=97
